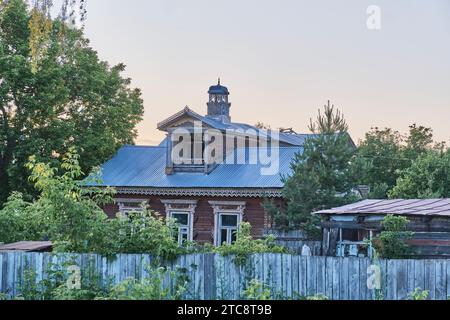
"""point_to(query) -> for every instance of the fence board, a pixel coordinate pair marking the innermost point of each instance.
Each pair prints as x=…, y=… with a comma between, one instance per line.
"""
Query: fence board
x=354, y=274
x=303, y=274
x=336, y=266
x=441, y=283
x=311, y=276
x=430, y=278
x=402, y=280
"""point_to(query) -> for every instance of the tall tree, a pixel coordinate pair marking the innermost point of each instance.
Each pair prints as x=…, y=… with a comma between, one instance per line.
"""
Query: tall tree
x=320, y=177
x=71, y=99
x=385, y=154
x=379, y=160
x=428, y=177
x=418, y=142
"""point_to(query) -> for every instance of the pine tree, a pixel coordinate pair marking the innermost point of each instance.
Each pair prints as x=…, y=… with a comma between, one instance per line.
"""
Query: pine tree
x=320, y=176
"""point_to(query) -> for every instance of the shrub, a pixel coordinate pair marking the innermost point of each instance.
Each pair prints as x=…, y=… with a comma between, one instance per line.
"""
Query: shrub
x=419, y=294
x=142, y=232
x=245, y=245
x=256, y=290
x=55, y=285
x=391, y=243
x=68, y=212
x=318, y=297
x=153, y=287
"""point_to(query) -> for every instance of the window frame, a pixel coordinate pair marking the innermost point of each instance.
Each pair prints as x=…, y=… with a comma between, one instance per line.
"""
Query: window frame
x=188, y=207
x=221, y=208
x=125, y=209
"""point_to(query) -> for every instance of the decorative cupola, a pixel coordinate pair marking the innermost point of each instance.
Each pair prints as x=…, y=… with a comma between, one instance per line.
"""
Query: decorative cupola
x=218, y=105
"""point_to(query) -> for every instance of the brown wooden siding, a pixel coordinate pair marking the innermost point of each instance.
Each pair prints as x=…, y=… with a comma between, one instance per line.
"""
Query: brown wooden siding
x=204, y=214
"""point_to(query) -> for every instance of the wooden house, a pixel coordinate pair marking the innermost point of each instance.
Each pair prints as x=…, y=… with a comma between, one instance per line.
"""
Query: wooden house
x=208, y=193
x=347, y=229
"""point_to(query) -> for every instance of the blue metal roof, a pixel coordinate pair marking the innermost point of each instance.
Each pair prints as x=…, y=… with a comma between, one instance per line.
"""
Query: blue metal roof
x=139, y=166
x=287, y=138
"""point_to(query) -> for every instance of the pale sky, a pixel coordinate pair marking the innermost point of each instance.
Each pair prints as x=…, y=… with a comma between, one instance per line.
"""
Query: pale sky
x=282, y=60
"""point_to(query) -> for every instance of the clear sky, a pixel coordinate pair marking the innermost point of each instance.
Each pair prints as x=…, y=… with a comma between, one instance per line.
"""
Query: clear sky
x=282, y=60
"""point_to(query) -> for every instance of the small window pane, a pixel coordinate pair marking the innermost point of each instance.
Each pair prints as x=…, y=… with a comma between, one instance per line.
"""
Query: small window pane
x=223, y=236
x=233, y=236
x=181, y=218
x=229, y=220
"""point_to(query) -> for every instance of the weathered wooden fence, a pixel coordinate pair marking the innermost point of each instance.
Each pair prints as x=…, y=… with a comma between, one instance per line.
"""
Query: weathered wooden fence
x=216, y=277
x=294, y=240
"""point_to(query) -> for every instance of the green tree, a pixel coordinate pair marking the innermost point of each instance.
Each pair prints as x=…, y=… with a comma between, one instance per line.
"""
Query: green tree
x=320, y=176
x=69, y=213
x=384, y=155
x=70, y=99
x=428, y=177
x=379, y=160
x=418, y=142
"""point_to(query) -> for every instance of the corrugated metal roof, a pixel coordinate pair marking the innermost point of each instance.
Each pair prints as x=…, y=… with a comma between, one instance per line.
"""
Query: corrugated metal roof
x=288, y=138
x=427, y=207
x=27, y=246
x=139, y=166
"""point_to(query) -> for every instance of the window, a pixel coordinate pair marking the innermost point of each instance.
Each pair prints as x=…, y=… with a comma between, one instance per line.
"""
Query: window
x=183, y=212
x=228, y=227
x=126, y=206
x=228, y=216
x=184, y=226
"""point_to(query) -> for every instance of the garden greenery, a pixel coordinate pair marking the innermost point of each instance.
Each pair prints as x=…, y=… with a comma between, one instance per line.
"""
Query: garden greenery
x=245, y=245
x=392, y=241
x=68, y=212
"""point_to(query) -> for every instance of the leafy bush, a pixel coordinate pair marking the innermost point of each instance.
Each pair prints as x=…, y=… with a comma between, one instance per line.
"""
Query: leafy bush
x=256, y=290
x=419, y=294
x=55, y=284
x=245, y=245
x=153, y=287
x=19, y=221
x=68, y=212
x=142, y=232
x=391, y=243
x=318, y=297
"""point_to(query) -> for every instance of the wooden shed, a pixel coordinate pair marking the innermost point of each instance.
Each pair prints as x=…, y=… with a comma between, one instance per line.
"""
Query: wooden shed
x=346, y=229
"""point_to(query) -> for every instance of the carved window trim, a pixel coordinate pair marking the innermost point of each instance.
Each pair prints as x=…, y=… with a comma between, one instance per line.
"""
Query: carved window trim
x=173, y=207
x=226, y=208
x=128, y=205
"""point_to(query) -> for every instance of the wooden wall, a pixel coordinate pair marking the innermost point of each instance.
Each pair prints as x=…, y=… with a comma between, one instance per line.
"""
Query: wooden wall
x=204, y=215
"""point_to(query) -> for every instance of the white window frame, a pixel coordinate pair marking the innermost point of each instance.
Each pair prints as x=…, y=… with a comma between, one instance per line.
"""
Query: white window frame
x=125, y=208
x=219, y=211
x=172, y=208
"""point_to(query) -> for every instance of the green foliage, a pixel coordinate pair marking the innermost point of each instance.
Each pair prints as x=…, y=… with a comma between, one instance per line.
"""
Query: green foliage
x=428, y=177
x=142, y=232
x=68, y=212
x=18, y=221
x=419, y=294
x=152, y=287
x=321, y=176
x=54, y=285
x=391, y=243
x=256, y=290
x=319, y=297
x=379, y=160
x=245, y=245
x=70, y=98
x=384, y=156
